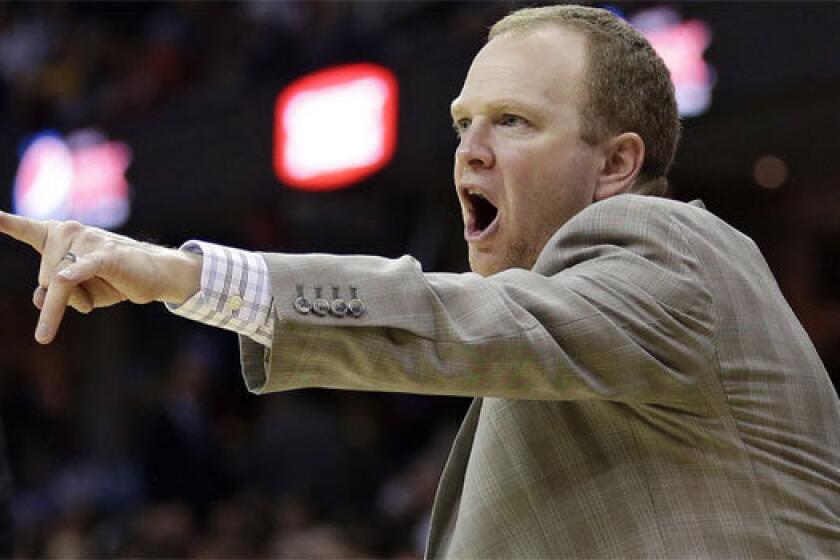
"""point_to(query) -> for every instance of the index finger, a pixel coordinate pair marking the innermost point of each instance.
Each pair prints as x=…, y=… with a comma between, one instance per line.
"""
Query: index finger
x=32, y=232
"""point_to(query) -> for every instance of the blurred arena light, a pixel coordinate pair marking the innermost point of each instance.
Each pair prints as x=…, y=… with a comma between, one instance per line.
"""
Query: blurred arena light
x=78, y=178
x=335, y=127
x=681, y=45
x=770, y=172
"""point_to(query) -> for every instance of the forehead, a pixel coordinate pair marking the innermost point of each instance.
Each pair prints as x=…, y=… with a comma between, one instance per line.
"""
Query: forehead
x=536, y=67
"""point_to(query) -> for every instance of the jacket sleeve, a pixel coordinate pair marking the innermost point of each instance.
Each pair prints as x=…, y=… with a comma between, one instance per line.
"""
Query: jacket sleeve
x=614, y=309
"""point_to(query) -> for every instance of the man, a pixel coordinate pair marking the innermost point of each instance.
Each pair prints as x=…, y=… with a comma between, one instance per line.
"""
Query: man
x=643, y=389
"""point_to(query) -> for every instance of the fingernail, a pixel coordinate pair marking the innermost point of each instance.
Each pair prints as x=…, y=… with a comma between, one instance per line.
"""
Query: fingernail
x=42, y=332
x=67, y=273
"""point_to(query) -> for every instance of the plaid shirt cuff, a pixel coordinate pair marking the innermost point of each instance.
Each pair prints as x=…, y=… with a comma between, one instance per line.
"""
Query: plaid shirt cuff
x=235, y=292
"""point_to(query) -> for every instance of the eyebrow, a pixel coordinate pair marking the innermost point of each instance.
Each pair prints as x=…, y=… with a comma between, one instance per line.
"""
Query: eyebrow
x=496, y=107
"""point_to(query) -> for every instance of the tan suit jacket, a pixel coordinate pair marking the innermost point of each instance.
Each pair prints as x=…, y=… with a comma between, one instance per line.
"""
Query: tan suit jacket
x=645, y=391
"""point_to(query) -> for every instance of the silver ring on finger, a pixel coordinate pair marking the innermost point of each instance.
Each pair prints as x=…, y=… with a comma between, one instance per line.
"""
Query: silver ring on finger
x=70, y=256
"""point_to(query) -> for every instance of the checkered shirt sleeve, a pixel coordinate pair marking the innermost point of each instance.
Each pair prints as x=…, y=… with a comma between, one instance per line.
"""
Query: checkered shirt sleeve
x=235, y=292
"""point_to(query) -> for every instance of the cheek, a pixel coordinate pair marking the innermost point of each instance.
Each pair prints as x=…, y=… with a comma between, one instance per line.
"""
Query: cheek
x=535, y=187
x=547, y=196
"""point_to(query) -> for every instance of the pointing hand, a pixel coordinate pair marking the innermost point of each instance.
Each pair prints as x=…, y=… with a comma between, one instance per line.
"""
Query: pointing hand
x=86, y=267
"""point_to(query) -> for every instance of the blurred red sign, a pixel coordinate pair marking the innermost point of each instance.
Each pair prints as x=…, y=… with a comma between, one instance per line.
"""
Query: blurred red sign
x=335, y=127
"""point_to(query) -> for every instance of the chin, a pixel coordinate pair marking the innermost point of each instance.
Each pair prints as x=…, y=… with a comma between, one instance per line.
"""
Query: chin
x=485, y=264
x=516, y=256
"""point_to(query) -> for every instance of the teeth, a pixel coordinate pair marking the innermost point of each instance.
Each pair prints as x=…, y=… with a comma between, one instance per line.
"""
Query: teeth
x=475, y=192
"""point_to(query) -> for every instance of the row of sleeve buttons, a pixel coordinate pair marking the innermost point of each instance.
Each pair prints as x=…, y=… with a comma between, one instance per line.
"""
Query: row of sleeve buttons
x=338, y=307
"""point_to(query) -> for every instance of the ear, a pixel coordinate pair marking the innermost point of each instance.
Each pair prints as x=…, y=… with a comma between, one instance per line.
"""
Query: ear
x=623, y=158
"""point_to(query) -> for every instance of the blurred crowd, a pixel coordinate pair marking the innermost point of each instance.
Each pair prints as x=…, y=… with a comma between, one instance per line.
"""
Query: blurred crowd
x=148, y=444
x=70, y=63
x=170, y=456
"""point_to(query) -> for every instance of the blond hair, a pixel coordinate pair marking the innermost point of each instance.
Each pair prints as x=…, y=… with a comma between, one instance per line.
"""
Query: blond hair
x=627, y=86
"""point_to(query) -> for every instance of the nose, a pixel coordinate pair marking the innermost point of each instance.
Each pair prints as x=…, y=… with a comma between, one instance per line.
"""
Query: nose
x=474, y=149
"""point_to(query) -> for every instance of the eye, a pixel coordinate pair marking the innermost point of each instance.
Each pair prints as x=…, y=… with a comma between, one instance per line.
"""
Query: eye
x=512, y=120
x=460, y=126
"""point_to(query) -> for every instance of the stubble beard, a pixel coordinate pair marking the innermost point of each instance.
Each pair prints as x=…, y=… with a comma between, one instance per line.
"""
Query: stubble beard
x=519, y=254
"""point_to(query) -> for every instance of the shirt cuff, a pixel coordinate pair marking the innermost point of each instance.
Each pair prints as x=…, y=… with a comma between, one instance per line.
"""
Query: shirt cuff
x=235, y=292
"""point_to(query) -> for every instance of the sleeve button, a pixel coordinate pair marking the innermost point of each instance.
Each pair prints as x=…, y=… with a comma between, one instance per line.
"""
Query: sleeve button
x=356, y=308
x=320, y=307
x=338, y=307
x=302, y=305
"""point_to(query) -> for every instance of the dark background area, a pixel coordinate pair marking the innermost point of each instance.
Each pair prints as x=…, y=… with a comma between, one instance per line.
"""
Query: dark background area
x=133, y=434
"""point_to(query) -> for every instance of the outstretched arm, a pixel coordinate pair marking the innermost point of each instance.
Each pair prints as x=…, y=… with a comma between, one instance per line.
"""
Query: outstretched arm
x=108, y=269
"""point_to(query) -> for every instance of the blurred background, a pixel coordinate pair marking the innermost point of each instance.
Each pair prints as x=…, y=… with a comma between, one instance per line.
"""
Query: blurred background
x=133, y=434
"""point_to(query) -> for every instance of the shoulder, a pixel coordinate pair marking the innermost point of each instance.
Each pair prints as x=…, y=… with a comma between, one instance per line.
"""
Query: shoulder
x=647, y=226
x=630, y=213
x=635, y=254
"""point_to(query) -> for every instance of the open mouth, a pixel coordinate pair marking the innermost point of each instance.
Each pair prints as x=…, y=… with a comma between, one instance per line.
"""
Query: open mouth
x=483, y=216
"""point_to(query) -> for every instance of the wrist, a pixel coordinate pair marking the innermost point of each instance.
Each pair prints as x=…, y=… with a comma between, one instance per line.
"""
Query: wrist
x=182, y=276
